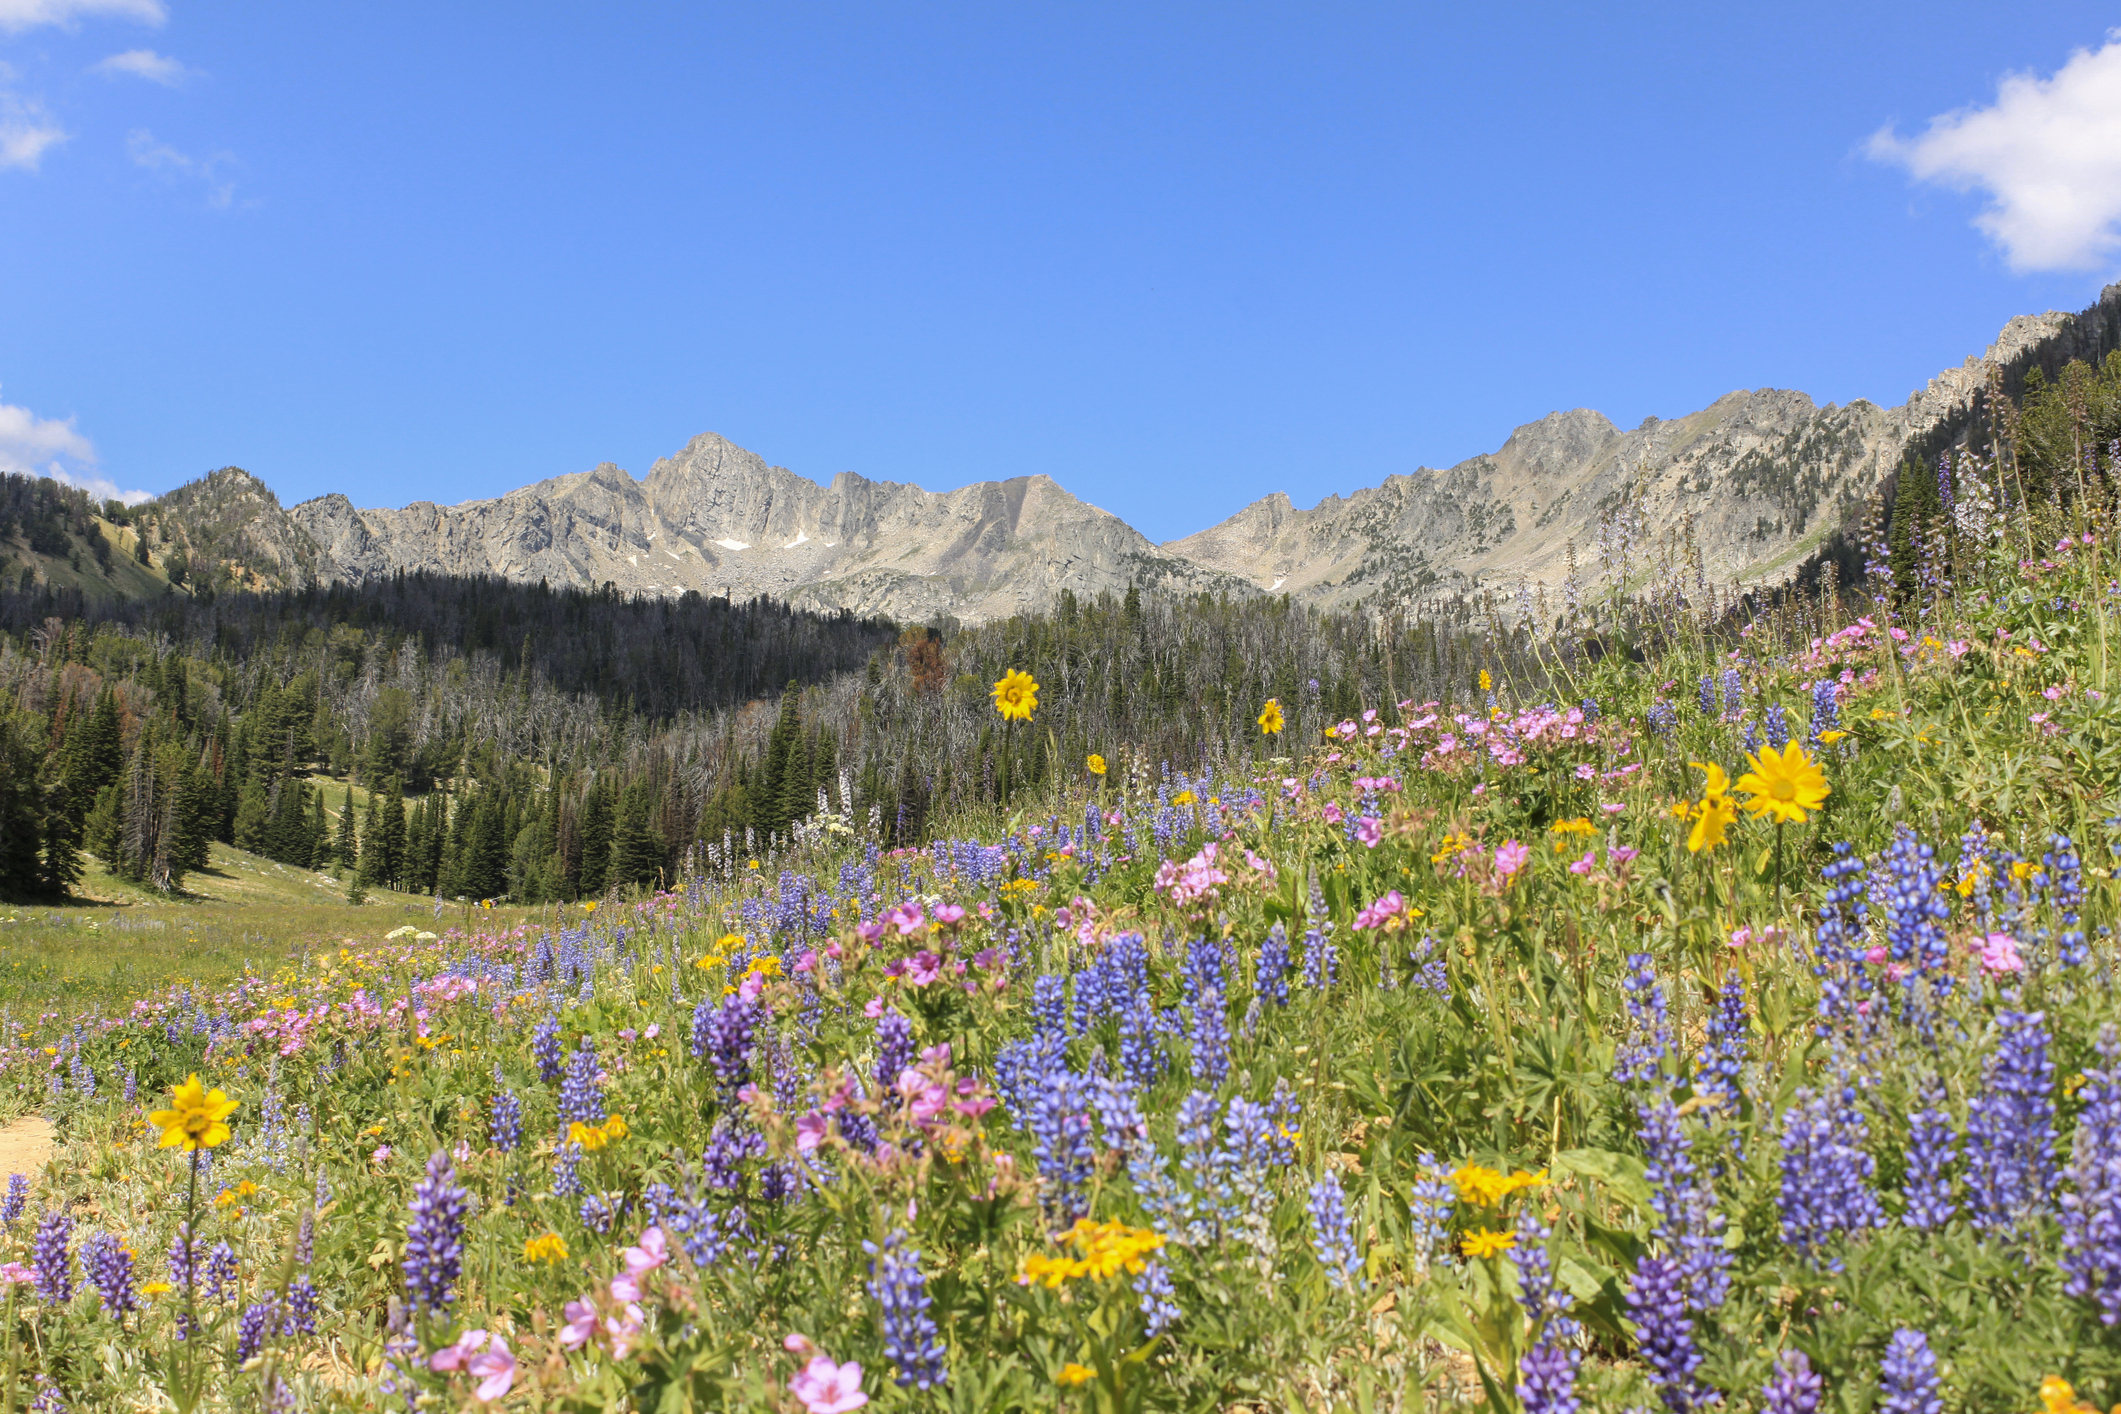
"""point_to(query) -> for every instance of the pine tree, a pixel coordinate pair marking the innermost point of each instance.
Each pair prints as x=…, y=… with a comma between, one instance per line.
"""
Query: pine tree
x=374, y=861
x=596, y=840
x=345, y=852
x=637, y=853
x=392, y=866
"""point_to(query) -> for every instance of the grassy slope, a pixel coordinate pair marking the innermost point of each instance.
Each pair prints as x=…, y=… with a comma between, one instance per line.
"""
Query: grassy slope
x=117, y=939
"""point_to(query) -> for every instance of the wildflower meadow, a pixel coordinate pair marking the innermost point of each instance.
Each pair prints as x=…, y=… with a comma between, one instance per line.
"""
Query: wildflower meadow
x=1724, y=1017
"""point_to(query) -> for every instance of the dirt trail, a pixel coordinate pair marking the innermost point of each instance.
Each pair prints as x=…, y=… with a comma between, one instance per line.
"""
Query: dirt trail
x=25, y=1145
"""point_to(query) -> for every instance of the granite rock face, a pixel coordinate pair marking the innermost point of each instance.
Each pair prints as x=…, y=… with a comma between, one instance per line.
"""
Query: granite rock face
x=1742, y=489
x=1746, y=487
x=717, y=519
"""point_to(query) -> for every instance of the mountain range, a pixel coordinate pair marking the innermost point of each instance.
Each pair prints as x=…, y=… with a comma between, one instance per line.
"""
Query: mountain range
x=1756, y=479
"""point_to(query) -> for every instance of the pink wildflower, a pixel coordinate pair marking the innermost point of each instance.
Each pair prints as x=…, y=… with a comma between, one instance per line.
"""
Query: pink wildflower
x=1999, y=955
x=1369, y=831
x=826, y=1388
x=581, y=1323
x=1510, y=856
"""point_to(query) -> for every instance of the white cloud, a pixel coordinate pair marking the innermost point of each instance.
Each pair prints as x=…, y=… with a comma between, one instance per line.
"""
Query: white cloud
x=146, y=64
x=48, y=446
x=155, y=156
x=19, y=15
x=99, y=488
x=2047, y=153
x=26, y=129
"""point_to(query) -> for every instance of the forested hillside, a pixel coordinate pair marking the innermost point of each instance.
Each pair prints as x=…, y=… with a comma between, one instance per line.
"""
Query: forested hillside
x=476, y=738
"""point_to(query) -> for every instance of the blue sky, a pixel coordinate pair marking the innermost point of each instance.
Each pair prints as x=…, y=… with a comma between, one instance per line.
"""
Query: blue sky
x=1176, y=257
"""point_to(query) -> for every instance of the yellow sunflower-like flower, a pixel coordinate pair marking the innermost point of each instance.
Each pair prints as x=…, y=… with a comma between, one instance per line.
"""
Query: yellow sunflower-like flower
x=1016, y=696
x=1783, y=785
x=2058, y=1396
x=1074, y=1374
x=196, y=1119
x=1485, y=1243
x=1095, y=765
x=548, y=1247
x=1270, y=719
x=1711, y=818
x=1486, y=1187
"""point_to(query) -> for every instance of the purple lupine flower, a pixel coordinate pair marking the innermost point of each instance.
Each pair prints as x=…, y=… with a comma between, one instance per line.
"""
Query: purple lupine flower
x=1333, y=1236
x=255, y=1324
x=1826, y=711
x=722, y=1036
x=1141, y=1049
x=221, y=1272
x=1049, y=1005
x=1642, y=1056
x=1706, y=698
x=2010, y=1126
x=1208, y=1045
x=507, y=1126
x=1826, y=1173
x=1663, y=718
x=434, y=1238
x=302, y=1306
x=2065, y=874
x=1840, y=934
x=894, y=1048
x=1687, y=1220
x=1776, y=724
x=1733, y=692
x=910, y=1338
x=17, y=1198
x=1159, y=1302
x=184, y=1259
x=545, y=1047
x=566, y=1161
x=581, y=1093
x=1058, y=1115
x=1270, y=977
x=1907, y=1380
x=1793, y=1388
x=2091, y=1210
x=1907, y=892
x=1931, y=1149
x=1664, y=1332
x=597, y=1213
x=50, y=1259
x=110, y=1271
x=1321, y=958
x=1546, y=1376
x=1719, y=1069
x=1430, y=1213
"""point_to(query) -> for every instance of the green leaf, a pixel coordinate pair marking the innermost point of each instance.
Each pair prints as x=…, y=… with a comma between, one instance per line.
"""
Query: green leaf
x=1621, y=1174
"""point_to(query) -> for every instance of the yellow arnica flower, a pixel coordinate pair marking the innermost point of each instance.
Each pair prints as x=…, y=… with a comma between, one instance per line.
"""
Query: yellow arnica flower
x=1096, y=764
x=2057, y=1396
x=1270, y=718
x=156, y=1288
x=1830, y=737
x=196, y=1119
x=1016, y=696
x=1184, y=797
x=1107, y=1249
x=768, y=966
x=1580, y=826
x=1484, y=1243
x=590, y=906
x=1783, y=785
x=1074, y=1374
x=593, y=1137
x=1713, y=781
x=1711, y=819
x=1485, y=1187
x=550, y=1247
